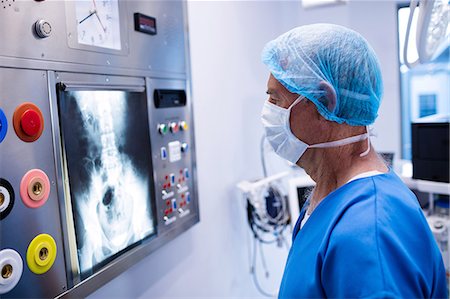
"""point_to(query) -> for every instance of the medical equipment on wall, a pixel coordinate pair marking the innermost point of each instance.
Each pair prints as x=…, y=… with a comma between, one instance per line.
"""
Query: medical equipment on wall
x=97, y=149
x=268, y=217
x=268, y=214
x=433, y=30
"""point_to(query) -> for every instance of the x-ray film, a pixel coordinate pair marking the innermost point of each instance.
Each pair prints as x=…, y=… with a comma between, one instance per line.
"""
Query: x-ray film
x=107, y=151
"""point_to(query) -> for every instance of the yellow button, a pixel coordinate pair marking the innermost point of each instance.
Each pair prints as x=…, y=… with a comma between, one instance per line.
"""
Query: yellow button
x=184, y=126
x=41, y=253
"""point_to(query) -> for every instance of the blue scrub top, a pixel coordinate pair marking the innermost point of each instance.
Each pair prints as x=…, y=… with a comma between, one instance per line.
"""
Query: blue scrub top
x=369, y=238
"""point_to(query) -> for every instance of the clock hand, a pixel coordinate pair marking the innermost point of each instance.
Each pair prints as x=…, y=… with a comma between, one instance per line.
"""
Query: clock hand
x=101, y=24
x=91, y=13
x=96, y=14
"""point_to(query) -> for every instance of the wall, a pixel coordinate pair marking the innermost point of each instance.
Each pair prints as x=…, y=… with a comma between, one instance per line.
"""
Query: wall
x=211, y=259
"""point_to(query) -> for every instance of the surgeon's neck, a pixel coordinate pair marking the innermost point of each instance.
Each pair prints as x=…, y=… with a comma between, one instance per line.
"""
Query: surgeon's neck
x=331, y=170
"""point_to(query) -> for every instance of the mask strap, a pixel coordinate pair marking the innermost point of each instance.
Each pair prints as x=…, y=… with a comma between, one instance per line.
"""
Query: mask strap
x=366, y=152
x=346, y=141
x=297, y=100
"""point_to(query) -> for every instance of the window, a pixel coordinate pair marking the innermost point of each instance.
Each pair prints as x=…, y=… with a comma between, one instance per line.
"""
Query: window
x=427, y=104
x=425, y=89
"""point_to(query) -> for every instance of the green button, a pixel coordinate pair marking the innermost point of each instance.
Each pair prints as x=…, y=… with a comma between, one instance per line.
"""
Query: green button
x=163, y=129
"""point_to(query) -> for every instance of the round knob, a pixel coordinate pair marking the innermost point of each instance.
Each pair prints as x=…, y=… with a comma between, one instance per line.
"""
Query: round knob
x=162, y=129
x=42, y=28
x=184, y=126
x=184, y=147
x=174, y=127
x=30, y=122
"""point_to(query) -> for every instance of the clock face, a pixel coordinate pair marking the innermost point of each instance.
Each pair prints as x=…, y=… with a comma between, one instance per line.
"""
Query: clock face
x=98, y=23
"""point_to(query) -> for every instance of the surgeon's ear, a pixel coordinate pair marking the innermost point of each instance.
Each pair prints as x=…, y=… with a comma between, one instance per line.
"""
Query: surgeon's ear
x=329, y=95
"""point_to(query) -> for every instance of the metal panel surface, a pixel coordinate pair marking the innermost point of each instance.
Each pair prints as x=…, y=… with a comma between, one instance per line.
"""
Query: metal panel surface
x=16, y=158
x=30, y=69
x=163, y=52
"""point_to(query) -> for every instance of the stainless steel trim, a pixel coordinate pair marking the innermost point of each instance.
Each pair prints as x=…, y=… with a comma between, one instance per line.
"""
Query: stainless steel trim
x=191, y=110
x=25, y=63
x=65, y=205
x=73, y=86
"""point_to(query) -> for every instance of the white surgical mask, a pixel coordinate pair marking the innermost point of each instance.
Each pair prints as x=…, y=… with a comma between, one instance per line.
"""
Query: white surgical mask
x=275, y=120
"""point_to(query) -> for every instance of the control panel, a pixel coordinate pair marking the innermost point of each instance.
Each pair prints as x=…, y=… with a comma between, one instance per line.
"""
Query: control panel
x=172, y=135
x=97, y=151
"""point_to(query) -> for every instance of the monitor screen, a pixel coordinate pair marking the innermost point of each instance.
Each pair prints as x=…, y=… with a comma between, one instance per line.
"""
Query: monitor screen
x=106, y=146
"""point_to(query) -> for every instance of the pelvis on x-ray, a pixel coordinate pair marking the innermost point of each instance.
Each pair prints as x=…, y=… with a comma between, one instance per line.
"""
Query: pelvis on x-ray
x=109, y=186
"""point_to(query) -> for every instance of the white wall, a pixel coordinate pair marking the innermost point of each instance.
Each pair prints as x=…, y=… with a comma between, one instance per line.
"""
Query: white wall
x=229, y=83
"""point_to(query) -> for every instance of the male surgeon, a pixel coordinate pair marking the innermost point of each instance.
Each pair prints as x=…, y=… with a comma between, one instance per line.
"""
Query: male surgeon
x=361, y=233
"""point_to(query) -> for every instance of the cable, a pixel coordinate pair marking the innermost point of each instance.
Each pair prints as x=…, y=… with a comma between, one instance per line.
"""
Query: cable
x=255, y=278
x=268, y=217
x=263, y=158
x=263, y=260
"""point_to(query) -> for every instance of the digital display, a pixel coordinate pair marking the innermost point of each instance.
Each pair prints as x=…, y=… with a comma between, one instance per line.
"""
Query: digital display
x=106, y=143
x=144, y=24
x=166, y=98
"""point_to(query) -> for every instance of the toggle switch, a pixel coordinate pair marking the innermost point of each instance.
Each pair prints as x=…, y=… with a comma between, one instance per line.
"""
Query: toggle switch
x=11, y=267
x=174, y=204
x=163, y=153
x=188, y=197
x=28, y=122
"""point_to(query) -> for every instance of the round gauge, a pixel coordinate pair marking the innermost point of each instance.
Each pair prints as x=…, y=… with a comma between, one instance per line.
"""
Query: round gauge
x=98, y=23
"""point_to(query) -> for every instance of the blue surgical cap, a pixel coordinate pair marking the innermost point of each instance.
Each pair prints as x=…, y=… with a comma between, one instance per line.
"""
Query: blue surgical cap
x=319, y=60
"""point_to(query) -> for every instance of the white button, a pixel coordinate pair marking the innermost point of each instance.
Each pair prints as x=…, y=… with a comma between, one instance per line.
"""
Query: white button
x=6, y=198
x=174, y=151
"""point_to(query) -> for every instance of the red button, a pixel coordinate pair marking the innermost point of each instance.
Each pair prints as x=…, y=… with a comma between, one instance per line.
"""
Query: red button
x=30, y=122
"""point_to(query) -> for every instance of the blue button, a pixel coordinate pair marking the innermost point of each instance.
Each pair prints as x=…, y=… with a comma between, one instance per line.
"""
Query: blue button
x=186, y=173
x=172, y=178
x=163, y=153
x=3, y=125
x=174, y=203
x=188, y=197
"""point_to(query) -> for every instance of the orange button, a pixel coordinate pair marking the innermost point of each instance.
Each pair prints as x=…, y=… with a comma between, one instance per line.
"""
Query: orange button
x=30, y=122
